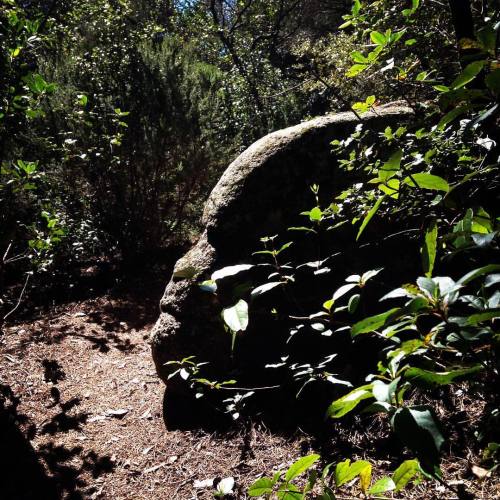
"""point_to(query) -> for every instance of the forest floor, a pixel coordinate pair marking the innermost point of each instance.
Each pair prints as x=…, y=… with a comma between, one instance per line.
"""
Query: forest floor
x=82, y=408
x=81, y=416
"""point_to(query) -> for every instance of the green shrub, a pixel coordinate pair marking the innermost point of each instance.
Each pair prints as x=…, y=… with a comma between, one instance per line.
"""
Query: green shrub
x=432, y=187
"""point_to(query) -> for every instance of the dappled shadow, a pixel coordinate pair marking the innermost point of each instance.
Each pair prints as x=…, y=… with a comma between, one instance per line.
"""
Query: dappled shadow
x=103, y=341
x=67, y=477
x=132, y=312
x=53, y=371
x=104, y=322
x=63, y=421
x=48, y=473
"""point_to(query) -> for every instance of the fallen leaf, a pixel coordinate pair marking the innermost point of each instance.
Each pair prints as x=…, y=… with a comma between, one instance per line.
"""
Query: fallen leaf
x=206, y=483
x=116, y=413
x=146, y=414
x=97, y=418
x=480, y=473
x=154, y=468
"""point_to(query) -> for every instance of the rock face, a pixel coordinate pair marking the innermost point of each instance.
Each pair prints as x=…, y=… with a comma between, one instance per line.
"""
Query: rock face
x=259, y=193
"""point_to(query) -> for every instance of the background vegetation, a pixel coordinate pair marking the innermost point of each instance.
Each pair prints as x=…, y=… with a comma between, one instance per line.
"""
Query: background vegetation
x=117, y=117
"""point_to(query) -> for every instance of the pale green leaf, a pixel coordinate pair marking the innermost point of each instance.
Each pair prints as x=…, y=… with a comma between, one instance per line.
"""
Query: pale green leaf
x=381, y=486
x=348, y=402
x=369, y=216
x=429, y=249
x=405, y=473
x=424, y=180
x=236, y=317
x=300, y=466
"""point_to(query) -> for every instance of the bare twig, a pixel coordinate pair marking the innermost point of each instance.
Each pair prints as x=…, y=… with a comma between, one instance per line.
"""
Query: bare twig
x=4, y=258
x=264, y=388
x=19, y=300
x=271, y=96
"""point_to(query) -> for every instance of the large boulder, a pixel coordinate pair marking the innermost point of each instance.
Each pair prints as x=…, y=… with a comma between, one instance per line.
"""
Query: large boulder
x=261, y=192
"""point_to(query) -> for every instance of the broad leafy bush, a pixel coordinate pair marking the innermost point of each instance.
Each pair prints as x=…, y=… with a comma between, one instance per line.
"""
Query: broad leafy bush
x=432, y=187
x=333, y=479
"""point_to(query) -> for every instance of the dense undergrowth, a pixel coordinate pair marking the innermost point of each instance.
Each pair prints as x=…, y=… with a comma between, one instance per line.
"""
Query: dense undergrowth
x=117, y=118
x=408, y=350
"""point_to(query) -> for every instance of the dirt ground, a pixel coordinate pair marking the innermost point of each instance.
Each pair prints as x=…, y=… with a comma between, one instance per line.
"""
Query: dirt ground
x=83, y=412
x=81, y=417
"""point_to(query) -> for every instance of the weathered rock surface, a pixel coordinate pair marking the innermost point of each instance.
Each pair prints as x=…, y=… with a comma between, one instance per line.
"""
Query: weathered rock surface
x=258, y=195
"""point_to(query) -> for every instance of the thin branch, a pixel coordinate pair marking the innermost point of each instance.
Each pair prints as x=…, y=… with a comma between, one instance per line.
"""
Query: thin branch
x=272, y=96
x=264, y=388
x=338, y=95
x=4, y=259
x=28, y=276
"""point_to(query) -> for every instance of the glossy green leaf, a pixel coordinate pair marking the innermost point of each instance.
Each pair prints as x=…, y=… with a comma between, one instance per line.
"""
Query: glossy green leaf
x=300, y=466
x=261, y=487
x=230, y=271
x=476, y=273
x=340, y=292
x=405, y=473
x=236, y=317
x=451, y=116
x=427, y=181
x=429, y=249
x=468, y=74
x=428, y=379
x=373, y=322
x=369, y=216
x=256, y=292
x=348, y=402
x=487, y=315
x=353, y=303
x=418, y=429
